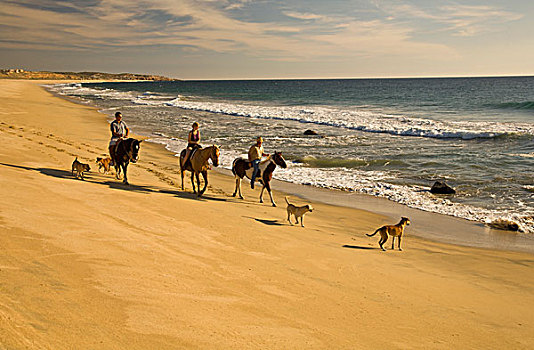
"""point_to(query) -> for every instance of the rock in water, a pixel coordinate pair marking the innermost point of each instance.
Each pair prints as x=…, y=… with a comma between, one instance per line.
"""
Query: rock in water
x=310, y=132
x=503, y=224
x=442, y=188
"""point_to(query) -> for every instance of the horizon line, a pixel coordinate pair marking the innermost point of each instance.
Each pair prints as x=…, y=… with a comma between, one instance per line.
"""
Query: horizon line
x=375, y=77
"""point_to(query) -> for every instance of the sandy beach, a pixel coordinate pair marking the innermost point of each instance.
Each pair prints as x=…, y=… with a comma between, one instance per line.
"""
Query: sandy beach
x=96, y=264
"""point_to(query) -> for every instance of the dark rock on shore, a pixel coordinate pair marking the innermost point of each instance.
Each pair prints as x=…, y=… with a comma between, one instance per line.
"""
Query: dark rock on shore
x=310, y=132
x=503, y=224
x=442, y=188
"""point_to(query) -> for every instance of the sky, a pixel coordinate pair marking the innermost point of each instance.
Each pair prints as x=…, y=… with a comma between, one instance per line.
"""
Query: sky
x=270, y=39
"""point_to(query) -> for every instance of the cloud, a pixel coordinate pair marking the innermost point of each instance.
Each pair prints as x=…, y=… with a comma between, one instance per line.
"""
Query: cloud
x=200, y=26
x=303, y=16
x=471, y=20
x=460, y=20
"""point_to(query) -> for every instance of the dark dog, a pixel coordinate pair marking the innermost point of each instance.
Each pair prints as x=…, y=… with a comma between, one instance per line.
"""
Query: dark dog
x=79, y=168
x=393, y=231
x=104, y=164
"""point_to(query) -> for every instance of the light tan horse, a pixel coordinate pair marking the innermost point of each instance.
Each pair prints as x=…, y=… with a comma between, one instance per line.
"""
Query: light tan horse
x=199, y=164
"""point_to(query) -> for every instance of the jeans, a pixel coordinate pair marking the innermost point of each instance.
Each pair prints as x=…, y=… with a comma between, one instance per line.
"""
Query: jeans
x=256, y=165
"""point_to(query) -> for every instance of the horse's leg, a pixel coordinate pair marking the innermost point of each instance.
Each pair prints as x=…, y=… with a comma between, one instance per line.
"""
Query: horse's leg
x=240, y=193
x=205, y=176
x=236, y=184
x=268, y=186
x=261, y=194
x=197, y=175
x=193, y=181
x=182, y=171
x=117, y=171
x=125, y=169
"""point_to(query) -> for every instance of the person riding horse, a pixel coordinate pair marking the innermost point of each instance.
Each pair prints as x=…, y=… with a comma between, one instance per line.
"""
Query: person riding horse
x=119, y=131
x=193, y=140
x=254, y=156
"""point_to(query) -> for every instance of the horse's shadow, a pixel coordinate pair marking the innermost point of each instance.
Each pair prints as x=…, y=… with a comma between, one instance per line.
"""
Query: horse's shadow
x=88, y=177
x=96, y=179
x=62, y=174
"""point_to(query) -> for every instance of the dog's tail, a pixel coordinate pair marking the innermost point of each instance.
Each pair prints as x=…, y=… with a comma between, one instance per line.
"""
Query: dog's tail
x=374, y=233
x=287, y=201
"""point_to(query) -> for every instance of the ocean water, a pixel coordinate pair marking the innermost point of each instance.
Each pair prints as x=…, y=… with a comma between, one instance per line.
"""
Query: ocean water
x=390, y=138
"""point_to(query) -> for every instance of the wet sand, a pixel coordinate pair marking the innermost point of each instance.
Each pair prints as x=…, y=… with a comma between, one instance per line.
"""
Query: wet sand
x=100, y=265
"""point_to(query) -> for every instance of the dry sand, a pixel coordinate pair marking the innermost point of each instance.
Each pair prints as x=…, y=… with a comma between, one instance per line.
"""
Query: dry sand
x=96, y=264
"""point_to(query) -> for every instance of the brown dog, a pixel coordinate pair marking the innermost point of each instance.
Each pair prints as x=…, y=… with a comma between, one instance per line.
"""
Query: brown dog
x=79, y=168
x=104, y=164
x=298, y=212
x=393, y=231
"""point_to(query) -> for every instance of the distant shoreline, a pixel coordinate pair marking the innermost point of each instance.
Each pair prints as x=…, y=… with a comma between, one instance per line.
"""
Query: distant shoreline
x=86, y=76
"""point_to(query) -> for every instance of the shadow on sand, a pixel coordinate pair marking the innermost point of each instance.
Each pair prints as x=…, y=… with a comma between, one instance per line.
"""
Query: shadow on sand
x=267, y=221
x=359, y=247
x=96, y=178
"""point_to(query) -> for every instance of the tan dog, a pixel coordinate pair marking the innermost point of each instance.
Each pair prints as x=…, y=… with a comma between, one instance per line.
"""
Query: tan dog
x=79, y=168
x=393, y=231
x=104, y=164
x=298, y=212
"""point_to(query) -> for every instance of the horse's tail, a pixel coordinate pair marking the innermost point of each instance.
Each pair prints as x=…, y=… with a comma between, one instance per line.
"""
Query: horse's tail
x=287, y=201
x=374, y=233
x=233, y=166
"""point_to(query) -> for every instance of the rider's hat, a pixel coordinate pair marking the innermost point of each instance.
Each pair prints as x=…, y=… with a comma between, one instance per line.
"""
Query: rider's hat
x=259, y=139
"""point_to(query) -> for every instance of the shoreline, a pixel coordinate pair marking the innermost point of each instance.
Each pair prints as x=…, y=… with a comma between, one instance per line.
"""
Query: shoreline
x=97, y=264
x=453, y=230
x=411, y=192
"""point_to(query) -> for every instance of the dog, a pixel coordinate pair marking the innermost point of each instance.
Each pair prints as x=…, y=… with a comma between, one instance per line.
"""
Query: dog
x=80, y=168
x=104, y=164
x=393, y=231
x=298, y=212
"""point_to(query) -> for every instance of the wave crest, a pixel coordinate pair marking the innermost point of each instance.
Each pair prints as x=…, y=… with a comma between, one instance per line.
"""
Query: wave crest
x=514, y=105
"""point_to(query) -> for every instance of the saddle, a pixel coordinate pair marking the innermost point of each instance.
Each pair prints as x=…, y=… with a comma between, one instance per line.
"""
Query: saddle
x=193, y=151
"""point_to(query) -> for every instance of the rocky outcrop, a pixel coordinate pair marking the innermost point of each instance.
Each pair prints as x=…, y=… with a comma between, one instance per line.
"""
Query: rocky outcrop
x=22, y=74
x=442, y=188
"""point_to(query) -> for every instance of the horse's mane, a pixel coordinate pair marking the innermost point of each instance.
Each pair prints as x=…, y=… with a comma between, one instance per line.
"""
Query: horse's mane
x=269, y=157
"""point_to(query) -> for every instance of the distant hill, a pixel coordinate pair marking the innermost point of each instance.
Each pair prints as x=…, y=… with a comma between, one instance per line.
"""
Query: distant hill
x=22, y=74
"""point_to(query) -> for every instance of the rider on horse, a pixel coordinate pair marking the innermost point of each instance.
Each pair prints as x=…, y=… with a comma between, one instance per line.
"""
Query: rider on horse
x=254, y=156
x=119, y=130
x=193, y=140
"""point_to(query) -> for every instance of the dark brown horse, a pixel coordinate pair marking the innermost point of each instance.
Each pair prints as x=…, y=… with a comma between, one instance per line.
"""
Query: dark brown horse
x=198, y=164
x=126, y=151
x=242, y=167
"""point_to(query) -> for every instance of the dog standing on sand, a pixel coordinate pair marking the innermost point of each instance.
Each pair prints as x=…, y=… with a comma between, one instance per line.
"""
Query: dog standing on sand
x=298, y=212
x=104, y=164
x=79, y=168
x=393, y=231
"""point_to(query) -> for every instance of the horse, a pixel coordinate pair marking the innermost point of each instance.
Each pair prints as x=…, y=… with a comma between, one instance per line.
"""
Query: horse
x=198, y=164
x=242, y=167
x=126, y=151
